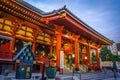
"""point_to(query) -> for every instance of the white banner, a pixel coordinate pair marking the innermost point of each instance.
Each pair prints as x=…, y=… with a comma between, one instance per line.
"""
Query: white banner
x=61, y=59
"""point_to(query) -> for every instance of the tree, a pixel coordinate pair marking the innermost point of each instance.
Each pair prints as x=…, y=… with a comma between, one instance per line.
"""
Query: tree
x=105, y=54
x=93, y=56
x=114, y=58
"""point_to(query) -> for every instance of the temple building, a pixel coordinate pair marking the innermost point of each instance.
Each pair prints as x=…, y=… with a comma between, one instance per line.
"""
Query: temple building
x=57, y=33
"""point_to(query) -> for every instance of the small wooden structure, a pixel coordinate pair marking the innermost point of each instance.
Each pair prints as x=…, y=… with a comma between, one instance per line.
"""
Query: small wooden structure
x=25, y=60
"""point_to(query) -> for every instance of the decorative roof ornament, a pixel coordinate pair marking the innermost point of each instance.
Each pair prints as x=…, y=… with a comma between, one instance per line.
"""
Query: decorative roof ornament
x=64, y=7
x=55, y=11
x=63, y=14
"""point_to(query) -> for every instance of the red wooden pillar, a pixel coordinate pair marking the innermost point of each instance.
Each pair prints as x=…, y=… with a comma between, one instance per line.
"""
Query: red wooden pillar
x=58, y=44
x=33, y=46
x=51, y=46
x=12, y=43
x=88, y=56
x=15, y=66
x=34, y=42
x=97, y=58
x=76, y=54
x=58, y=47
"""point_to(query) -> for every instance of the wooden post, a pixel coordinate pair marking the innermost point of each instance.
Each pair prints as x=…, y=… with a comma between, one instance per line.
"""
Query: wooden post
x=76, y=53
x=33, y=46
x=88, y=55
x=12, y=43
x=51, y=46
x=58, y=47
x=35, y=36
x=98, y=59
x=58, y=44
x=15, y=66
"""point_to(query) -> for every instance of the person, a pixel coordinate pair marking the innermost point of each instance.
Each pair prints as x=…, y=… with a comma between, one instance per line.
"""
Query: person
x=114, y=69
x=114, y=66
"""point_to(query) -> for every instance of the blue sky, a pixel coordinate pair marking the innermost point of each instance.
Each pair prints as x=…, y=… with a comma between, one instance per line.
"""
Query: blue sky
x=101, y=15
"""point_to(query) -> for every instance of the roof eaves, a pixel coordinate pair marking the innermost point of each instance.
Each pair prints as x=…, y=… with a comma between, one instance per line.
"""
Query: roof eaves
x=54, y=12
x=29, y=7
x=64, y=9
x=84, y=24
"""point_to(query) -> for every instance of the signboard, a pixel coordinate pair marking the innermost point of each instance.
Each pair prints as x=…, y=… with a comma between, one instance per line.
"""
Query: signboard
x=61, y=59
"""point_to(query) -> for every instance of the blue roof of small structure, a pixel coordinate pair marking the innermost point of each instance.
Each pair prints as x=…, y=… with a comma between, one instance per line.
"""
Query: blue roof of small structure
x=25, y=55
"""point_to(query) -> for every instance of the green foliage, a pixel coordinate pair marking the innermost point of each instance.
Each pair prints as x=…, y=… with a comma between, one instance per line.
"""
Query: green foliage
x=115, y=58
x=93, y=56
x=106, y=55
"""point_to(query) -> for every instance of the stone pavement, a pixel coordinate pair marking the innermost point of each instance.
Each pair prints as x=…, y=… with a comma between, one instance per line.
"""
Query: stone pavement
x=112, y=79
x=108, y=75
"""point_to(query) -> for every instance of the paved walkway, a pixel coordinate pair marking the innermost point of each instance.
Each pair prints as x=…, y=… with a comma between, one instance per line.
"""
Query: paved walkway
x=89, y=76
x=108, y=75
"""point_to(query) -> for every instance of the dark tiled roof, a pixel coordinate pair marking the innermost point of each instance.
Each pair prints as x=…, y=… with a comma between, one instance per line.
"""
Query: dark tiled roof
x=29, y=6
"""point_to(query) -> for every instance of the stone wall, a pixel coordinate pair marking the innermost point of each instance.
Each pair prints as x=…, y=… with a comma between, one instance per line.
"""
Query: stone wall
x=109, y=64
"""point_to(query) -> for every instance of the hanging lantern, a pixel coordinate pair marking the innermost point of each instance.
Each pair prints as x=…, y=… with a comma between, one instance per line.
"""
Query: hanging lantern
x=73, y=55
x=68, y=48
x=85, y=58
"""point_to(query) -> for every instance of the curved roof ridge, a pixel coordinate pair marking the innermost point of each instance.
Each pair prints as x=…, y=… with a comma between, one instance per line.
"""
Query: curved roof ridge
x=54, y=12
x=29, y=6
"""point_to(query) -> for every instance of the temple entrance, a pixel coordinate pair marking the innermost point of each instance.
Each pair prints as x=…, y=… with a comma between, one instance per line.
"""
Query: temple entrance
x=69, y=61
x=83, y=58
x=68, y=47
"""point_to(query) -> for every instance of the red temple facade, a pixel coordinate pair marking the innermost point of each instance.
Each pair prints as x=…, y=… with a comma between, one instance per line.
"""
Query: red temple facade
x=48, y=34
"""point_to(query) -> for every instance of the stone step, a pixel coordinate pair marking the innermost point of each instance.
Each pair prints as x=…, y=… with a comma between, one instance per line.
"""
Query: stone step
x=67, y=70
